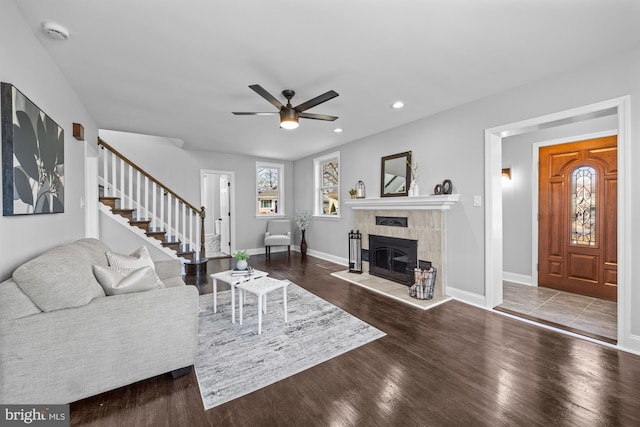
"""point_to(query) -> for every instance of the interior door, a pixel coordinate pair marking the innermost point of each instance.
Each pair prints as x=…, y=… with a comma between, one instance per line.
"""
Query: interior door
x=225, y=225
x=577, y=250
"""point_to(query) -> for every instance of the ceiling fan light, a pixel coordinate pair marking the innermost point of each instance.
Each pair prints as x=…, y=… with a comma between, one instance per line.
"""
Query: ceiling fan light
x=288, y=119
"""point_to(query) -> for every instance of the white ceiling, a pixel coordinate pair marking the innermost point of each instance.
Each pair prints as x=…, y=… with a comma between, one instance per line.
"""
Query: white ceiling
x=179, y=68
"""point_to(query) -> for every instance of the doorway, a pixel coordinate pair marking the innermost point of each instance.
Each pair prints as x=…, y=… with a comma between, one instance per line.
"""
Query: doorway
x=619, y=108
x=537, y=294
x=217, y=196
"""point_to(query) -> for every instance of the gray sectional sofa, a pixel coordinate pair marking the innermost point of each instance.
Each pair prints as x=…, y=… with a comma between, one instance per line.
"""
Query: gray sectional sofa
x=62, y=339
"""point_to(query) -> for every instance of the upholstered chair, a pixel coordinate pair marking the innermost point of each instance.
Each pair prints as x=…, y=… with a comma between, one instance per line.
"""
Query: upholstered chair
x=278, y=234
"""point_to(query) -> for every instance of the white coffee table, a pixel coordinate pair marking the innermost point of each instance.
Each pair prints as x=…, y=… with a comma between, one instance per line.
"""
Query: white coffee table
x=233, y=281
x=261, y=287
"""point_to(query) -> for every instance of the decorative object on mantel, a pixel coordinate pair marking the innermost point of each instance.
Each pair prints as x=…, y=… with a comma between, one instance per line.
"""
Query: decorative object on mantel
x=447, y=186
x=32, y=157
x=414, y=191
x=352, y=193
x=395, y=175
x=437, y=190
x=360, y=193
x=302, y=221
x=355, y=252
x=241, y=260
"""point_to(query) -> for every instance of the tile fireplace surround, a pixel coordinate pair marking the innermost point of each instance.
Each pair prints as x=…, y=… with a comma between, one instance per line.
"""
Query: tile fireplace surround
x=426, y=223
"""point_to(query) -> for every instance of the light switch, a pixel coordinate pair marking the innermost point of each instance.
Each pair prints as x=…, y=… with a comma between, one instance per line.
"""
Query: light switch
x=477, y=201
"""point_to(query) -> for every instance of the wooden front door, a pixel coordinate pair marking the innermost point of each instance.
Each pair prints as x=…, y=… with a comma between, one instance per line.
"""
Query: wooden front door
x=577, y=230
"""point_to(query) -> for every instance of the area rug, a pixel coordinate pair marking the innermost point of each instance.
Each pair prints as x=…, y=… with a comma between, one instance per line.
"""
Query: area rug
x=233, y=360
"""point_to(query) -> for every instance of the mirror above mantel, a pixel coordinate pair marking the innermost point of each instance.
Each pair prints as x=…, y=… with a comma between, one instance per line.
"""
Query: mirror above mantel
x=395, y=175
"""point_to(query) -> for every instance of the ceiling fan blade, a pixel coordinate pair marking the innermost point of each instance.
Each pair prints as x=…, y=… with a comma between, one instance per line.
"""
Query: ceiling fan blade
x=266, y=95
x=255, y=114
x=317, y=100
x=317, y=116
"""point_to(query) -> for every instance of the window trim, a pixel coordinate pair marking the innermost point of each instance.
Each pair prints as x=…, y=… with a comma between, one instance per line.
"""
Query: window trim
x=280, y=198
x=317, y=188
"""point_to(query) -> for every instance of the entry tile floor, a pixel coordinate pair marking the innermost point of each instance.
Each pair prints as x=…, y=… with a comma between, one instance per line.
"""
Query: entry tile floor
x=580, y=314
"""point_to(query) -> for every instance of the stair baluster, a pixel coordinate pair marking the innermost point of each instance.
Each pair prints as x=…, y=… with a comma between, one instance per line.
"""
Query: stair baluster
x=168, y=218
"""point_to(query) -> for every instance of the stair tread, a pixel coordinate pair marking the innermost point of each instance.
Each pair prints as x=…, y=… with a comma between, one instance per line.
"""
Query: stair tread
x=170, y=242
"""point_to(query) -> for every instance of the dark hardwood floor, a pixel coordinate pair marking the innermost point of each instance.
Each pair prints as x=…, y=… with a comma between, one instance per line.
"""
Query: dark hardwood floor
x=453, y=365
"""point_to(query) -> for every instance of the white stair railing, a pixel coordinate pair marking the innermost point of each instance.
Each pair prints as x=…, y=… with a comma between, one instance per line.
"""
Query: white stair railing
x=151, y=200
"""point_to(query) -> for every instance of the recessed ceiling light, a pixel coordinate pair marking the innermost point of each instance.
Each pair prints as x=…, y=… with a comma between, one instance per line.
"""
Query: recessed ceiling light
x=337, y=130
x=397, y=104
x=55, y=31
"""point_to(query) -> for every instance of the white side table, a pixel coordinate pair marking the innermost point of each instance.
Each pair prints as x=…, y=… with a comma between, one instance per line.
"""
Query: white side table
x=233, y=281
x=261, y=287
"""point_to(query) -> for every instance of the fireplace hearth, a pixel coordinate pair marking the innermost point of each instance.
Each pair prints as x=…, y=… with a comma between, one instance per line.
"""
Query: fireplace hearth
x=391, y=257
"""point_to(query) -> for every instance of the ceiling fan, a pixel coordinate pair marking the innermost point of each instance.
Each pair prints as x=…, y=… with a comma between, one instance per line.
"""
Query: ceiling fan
x=288, y=114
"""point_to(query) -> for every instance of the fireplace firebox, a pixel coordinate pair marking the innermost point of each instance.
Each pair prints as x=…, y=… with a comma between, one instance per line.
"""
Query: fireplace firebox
x=390, y=257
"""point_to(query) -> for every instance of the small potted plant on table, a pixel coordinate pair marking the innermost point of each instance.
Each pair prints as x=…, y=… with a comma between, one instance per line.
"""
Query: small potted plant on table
x=241, y=260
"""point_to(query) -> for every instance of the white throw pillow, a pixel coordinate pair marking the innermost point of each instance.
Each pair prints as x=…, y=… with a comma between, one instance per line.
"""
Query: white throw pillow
x=115, y=282
x=124, y=263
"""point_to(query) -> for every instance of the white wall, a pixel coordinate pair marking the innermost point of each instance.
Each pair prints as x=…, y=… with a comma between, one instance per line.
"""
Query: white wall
x=451, y=145
x=27, y=66
x=180, y=170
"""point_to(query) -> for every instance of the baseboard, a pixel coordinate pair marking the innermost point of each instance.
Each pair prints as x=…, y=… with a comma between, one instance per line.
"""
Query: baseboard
x=466, y=297
x=326, y=257
x=296, y=248
x=630, y=344
x=521, y=279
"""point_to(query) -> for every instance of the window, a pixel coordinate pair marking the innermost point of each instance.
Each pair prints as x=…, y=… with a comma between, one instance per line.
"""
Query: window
x=269, y=195
x=583, y=206
x=327, y=185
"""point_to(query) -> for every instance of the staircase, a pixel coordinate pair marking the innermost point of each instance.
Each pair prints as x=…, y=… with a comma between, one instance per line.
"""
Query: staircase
x=149, y=206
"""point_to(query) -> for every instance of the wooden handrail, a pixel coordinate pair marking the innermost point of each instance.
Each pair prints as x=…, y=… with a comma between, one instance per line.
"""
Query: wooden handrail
x=142, y=171
x=200, y=212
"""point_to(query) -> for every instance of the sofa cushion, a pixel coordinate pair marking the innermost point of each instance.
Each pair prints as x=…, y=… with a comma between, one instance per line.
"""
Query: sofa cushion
x=95, y=249
x=60, y=278
x=115, y=282
x=14, y=302
x=123, y=263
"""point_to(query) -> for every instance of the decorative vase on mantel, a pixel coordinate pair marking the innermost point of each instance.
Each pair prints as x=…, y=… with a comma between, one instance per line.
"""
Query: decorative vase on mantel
x=414, y=191
x=303, y=244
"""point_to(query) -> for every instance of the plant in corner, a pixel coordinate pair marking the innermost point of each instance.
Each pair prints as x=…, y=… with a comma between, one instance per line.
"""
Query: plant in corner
x=241, y=260
x=302, y=221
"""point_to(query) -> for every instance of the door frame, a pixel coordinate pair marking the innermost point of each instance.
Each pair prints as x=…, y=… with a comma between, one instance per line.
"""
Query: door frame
x=493, y=201
x=232, y=200
x=535, y=155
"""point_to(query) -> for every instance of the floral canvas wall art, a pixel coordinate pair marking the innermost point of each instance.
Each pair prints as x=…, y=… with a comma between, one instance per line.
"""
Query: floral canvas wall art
x=32, y=157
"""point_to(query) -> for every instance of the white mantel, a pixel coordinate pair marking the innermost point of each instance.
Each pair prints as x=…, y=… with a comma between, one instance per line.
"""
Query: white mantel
x=440, y=202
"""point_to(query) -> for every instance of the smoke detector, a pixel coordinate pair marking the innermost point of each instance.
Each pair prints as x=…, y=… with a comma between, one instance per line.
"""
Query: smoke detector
x=55, y=31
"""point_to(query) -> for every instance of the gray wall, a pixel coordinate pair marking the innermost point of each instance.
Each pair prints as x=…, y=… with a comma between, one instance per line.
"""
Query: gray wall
x=27, y=66
x=180, y=170
x=451, y=145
